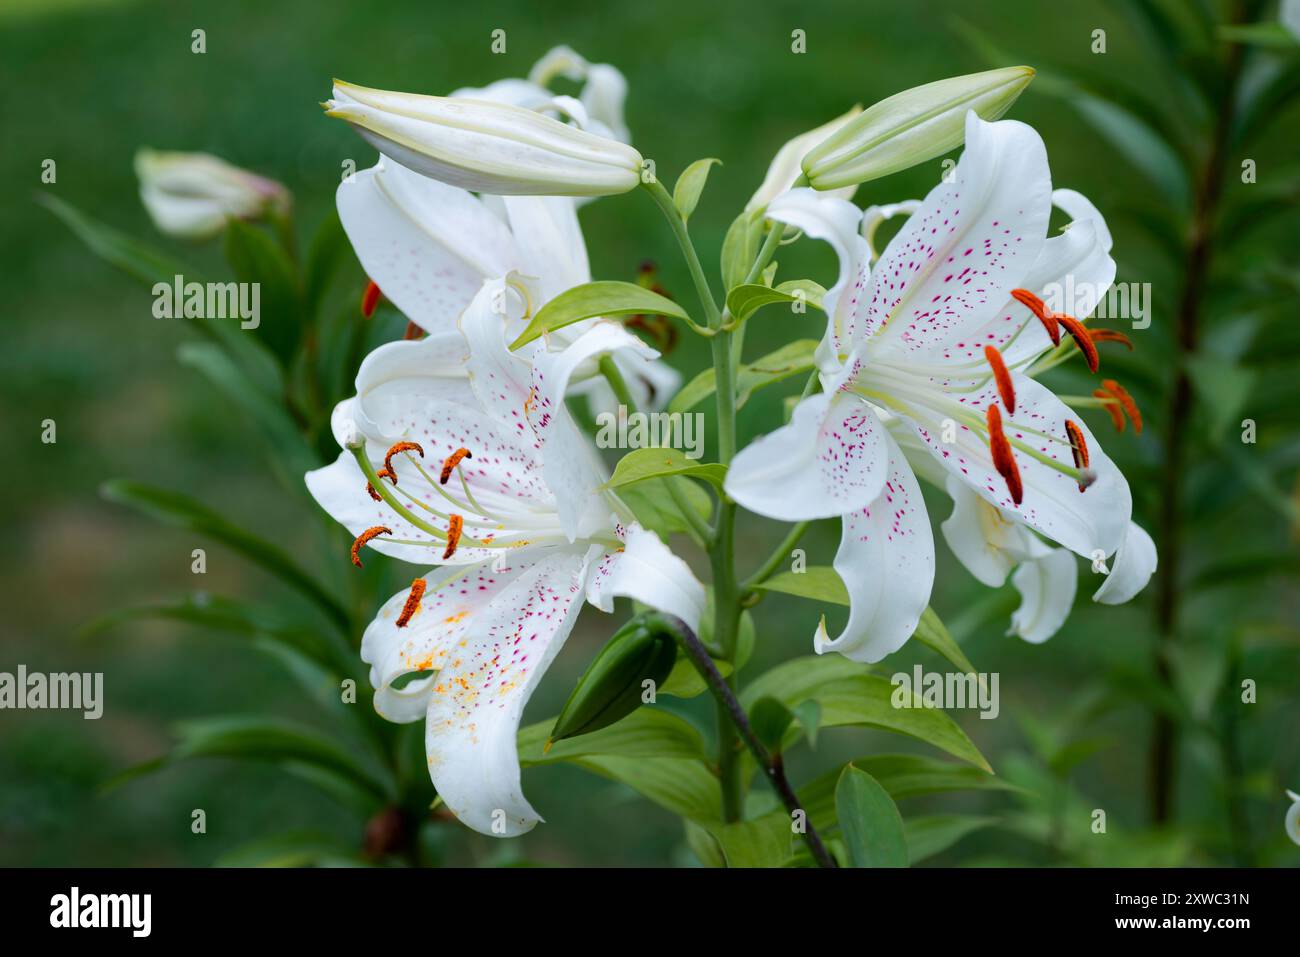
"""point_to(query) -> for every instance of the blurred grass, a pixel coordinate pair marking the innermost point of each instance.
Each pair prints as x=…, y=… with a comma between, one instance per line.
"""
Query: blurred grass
x=86, y=83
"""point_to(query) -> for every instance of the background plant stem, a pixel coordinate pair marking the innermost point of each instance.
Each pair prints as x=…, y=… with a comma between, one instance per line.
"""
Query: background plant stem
x=1178, y=415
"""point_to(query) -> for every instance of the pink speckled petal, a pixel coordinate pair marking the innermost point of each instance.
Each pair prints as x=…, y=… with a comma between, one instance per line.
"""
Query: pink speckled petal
x=453, y=600
x=429, y=246
x=1084, y=522
x=487, y=677
x=957, y=258
x=644, y=569
x=828, y=461
x=572, y=470
x=886, y=558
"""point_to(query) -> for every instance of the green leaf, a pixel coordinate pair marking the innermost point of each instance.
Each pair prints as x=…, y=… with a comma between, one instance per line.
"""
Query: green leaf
x=650, y=732
x=151, y=267
x=791, y=359
x=686, y=788
x=290, y=456
x=818, y=582
x=848, y=695
x=809, y=716
x=740, y=246
x=255, y=257
x=641, y=464
x=684, y=680
x=612, y=687
x=656, y=509
x=593, y=299
x=292, y=849
x=328, y=257
x=870, y=825
x=930, y=835
x=1223, y=388
x=744, y=301
x=295, y=747
x=769, y=719
x=930, y=631
x=762, y=842
x=686, y=194
x=1271, y=35
x=182, y=511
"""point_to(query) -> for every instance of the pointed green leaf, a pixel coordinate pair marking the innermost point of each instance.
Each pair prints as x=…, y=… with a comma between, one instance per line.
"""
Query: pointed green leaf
x=597, y=299
x=641, y=464
x=870, y=825
x=686, y=194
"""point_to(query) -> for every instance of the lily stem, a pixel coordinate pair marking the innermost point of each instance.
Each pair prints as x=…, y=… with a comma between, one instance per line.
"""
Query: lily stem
x=782, y=552
x=772, y=765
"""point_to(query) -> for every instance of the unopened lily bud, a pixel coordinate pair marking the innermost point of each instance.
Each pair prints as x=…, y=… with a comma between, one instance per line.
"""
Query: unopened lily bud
x=786, y=165
x=192, y=195
x=911, y=127
x=487, y=147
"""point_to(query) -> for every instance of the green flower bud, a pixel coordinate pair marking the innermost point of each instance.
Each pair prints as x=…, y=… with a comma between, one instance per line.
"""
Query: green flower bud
x=612, y=686
x=911, y=127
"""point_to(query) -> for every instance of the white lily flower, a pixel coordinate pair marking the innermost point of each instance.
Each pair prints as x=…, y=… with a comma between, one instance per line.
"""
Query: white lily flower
x=1289, y=16
x=490, y=481
x=1293, y=812
x=487, y=146
x=430, y=246
x=192, y=195
x=787, y=165
x=909, y=339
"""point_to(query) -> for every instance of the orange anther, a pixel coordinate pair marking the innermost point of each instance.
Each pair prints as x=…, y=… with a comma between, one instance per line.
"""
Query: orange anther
x=382, y=473
x=1002, y=377
x=413, y=331
x=400, y=447
x=1037, y=307
x=1081, y=339
x=453, y=460
x=1111, y=404
x=364, y=538
x=1125, y=400
x=412, y=602
x=370, y=299
x=1078, y=447
x=1110, y=335
x=1003, y=460
x=454, y=527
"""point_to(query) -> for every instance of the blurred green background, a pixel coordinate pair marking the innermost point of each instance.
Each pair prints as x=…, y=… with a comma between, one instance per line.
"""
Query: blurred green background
x=86, y=83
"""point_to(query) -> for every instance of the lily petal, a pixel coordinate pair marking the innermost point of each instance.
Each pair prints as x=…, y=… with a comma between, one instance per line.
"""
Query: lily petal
x=1047, y=586
x=957, y=258
x=830, y=460
x=428, y=245
x=836, y=221
x=1134, y=564
x=481, y=691
x=550, y=243
x=1084, y=522
x=453, y=601
x=886, y=559
x=645, y=570
x=984, y=538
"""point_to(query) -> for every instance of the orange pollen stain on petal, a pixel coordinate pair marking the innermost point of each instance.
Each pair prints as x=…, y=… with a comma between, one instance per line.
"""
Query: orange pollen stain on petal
x=1002, y=377
x=370, y=299
x=412, y=603
x=1125, y=400
x=1110, y=335
x=1078, y=447
x=364, y=538
x=1039, y=309
x=1111, y=405
x=1081, y=339
x=400, y=447
x=454, y=526
x=1003, y=460
x=453, y=460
